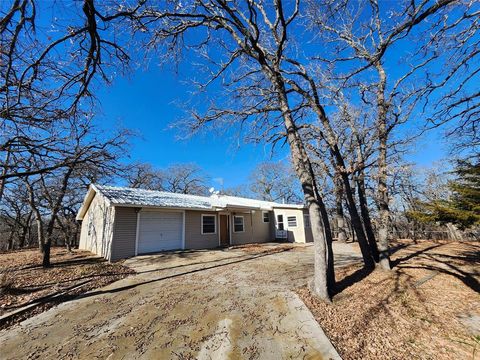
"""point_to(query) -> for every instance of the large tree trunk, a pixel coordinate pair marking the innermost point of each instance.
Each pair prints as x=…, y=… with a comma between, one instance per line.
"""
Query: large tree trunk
x=10, y=240
x=327, y=232
x=357, y=224
x=321, y=284
x=46, y=254
x=40, y=233
x=341, y=168
x=23, y=236
x=55, y=208
x=367, y=222
x=329, y=242
x=339, y=215
x=48, y=244
x=382, y=192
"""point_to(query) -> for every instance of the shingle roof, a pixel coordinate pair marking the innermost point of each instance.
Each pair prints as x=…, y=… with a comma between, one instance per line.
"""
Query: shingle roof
x=125, y=196
x=141, y=197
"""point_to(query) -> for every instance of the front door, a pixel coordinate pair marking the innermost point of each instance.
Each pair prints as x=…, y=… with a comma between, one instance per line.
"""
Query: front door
x=224, y=230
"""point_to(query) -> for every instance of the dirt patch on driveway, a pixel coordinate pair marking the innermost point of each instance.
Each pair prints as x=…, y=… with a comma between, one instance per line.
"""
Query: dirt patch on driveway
x=183, y=308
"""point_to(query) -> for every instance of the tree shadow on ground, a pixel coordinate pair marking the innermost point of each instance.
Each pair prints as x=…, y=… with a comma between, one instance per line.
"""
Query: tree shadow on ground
x=355, y=277
x=155, y=270
x=451, y=265
x=83, y=260
x=459, y=265
x=412, y=255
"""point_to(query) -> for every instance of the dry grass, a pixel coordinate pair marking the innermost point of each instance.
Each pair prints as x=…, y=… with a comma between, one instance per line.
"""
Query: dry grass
x=24, y=281
x=262, y=249
x=428, y=307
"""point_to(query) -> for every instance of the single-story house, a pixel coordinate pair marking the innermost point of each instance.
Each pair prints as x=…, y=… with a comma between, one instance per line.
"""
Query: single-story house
x=119, y=222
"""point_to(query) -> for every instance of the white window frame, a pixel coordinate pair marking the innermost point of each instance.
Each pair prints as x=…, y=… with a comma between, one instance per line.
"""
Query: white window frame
x=243, y=223
x=306, y=221
x=288, y=221
x=280, y=222
x=268, y=216
x=214, y=224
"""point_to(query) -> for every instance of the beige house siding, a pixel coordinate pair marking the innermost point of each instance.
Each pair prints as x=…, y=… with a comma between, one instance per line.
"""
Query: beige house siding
x=97, y=228
x=255, y=230
x=245, y=237
x=194, y=239
x=296, y=233
x=263, y=230
x=124, y=233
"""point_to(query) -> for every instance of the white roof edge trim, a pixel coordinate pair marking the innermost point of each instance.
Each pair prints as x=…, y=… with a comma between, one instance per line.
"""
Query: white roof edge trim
x=162, y=207
x=99, y=192
x=290, y=206
x=87, y=200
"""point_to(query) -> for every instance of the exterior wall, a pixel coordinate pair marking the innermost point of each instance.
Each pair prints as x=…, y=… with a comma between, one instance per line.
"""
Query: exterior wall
x=297, y=233
x=124, y=233
x=255, y=230
x=194, y=239
x=111, y=231
x=97, y=228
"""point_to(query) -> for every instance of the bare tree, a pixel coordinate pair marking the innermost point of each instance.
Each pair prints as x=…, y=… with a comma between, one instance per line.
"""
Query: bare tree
x=275, y=181
x=254, y=38
x=48, y=191
x=364, y=35
x=17, y=216
x=48, y=74
x=185, y=179
x=178, y=178
x=144, y=176
x=238, y=190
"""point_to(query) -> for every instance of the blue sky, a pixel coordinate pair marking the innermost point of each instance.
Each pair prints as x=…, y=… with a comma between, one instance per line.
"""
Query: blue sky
x=145, y=103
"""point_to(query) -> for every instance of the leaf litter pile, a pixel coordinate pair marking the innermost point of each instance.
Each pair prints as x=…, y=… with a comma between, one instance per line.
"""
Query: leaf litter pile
x=23, y=281
x=427, y=307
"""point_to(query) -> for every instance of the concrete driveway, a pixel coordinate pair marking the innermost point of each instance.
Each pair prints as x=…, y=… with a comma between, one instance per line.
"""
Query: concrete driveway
x=234, y=304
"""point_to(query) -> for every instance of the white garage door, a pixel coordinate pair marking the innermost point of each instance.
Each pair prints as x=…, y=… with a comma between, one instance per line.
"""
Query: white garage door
x=159, y=230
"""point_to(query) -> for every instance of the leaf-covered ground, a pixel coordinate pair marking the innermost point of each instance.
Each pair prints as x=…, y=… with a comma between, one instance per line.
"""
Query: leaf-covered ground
x=427, y=307
x=23, y=280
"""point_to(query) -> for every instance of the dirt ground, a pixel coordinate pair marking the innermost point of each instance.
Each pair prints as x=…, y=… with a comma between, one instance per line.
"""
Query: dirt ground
x=24, y=281
x=221, y=304
x=428, y=307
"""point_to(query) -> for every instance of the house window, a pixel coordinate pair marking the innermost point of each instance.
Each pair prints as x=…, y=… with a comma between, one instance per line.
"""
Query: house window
x=209, y=224
x=266, y=217
x=280, y=225
x=306, y=220
x=238, y=224
x=292, y=221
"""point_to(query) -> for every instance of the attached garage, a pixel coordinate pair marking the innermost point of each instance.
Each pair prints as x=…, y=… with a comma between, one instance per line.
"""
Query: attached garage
x=118, y=223
x=160, y=231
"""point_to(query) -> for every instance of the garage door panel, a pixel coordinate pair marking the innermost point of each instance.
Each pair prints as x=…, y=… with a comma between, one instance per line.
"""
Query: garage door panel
x=159, y=231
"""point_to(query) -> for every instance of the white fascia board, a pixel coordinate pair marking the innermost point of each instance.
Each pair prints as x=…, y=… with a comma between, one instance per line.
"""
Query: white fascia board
x=162, y=207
